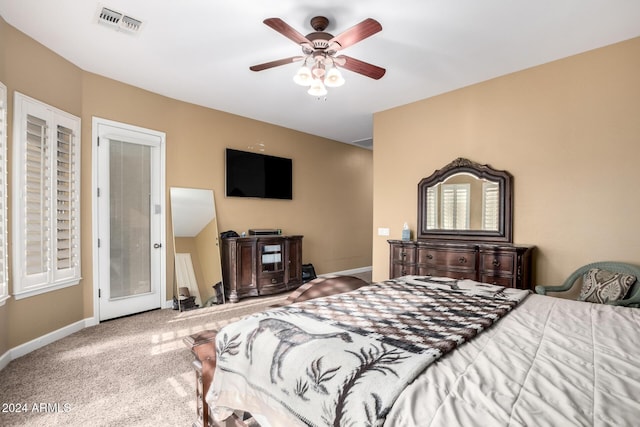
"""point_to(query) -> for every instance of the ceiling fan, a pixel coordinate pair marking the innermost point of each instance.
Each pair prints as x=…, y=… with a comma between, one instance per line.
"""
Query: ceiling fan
x=319, y=53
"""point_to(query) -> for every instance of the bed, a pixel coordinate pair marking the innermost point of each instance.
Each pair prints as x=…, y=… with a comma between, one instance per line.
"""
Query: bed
x=524, y=360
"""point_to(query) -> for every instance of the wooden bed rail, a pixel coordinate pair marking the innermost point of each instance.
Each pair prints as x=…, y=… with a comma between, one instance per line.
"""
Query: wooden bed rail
x=203, y=347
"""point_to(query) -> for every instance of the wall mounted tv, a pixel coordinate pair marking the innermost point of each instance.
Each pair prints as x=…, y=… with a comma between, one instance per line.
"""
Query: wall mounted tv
x=257, y=175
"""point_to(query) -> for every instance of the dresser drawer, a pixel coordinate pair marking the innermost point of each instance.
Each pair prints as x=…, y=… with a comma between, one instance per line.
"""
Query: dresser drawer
x=502, y=263
x=270, y=279
x=452, y=274
x=507, y=282
x=439, y=258
x=403, y=254
x=400, y=269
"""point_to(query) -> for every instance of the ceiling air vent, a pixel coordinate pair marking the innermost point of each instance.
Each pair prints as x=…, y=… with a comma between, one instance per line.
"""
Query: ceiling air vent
x=130, y=23
x=118, y=20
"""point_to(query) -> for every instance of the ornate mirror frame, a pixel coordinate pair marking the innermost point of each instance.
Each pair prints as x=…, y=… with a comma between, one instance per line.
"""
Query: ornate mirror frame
x=504, y=180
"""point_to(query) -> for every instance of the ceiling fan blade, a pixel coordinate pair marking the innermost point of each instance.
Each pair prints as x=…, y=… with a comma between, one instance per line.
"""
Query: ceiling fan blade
x=358, y=32
x=286, y=30
x=276, y=63
x=361, y=67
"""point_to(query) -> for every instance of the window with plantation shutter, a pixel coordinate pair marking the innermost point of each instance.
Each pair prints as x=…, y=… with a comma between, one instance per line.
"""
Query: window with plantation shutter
x=47, y=189
x=4, y=283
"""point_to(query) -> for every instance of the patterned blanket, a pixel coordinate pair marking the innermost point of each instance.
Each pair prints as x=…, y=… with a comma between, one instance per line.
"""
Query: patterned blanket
x=343, y=360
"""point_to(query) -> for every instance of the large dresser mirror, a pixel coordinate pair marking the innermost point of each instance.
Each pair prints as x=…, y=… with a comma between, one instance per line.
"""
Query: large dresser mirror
x=196, y=244
x=466, y=201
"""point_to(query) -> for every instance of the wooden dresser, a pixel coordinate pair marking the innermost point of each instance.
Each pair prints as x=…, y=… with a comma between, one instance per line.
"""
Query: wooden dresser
x=501, y=264
x=261, y=265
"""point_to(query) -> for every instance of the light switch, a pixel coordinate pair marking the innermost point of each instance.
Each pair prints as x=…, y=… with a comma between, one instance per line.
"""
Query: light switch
x=383, y=231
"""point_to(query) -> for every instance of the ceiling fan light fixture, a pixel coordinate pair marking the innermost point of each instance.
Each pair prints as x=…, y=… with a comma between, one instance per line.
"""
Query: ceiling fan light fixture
x=334, y=78
x=317, y=88
x=318, y=71
x=303, y=77
x=319, y=51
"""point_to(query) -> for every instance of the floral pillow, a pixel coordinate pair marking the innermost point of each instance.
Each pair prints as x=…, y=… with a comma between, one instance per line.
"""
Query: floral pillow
x=602, y=286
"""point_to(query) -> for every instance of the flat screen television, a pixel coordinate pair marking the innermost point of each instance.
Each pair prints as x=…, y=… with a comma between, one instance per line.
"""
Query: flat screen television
x=257, y=175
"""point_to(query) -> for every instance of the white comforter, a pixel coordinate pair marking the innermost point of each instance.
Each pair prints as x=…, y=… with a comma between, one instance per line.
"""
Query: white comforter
x=550, y=362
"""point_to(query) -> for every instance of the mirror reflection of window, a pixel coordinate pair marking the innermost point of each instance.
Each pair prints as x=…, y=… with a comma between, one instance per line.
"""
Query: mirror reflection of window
x=456, y=206
x=432, y=207
x=482, y=209
x=490, y=205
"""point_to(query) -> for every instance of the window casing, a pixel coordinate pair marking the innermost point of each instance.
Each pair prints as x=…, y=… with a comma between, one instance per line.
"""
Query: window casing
x=46, y=188
x=4, y=282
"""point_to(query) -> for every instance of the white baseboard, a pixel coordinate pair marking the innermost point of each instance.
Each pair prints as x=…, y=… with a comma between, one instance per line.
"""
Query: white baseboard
x=348, y=272
x=5, y=359
x=49, y=338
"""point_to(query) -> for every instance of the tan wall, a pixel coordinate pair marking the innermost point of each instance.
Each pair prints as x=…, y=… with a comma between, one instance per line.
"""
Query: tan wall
x=332, y=204
x=4, y=311
x=568, y=131
x=35, y=71
x=329, y=178
x=3, y=37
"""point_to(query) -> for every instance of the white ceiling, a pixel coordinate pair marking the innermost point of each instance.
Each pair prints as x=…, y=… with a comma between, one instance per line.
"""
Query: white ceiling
x=199, y=51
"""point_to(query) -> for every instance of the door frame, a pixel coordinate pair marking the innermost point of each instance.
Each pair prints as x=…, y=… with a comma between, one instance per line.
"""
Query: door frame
x=162, y=274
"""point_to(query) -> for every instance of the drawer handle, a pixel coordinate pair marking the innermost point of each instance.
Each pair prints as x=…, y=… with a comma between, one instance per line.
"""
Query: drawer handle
x=429, y=256
x=274, y=281
x=462, y=260
x=403, y=254
x=496, y=263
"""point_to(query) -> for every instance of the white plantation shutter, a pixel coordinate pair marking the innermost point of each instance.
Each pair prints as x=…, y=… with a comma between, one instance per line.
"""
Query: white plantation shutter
x=36, y=207
x=64, y=219
x=490, y=206
x=4, y=285
x=455, y=206
x=67, y=230
x=46, y=185
x=432, y=208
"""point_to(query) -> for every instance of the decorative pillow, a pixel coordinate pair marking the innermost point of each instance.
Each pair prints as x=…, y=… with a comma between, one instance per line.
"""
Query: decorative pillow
x=602, y=286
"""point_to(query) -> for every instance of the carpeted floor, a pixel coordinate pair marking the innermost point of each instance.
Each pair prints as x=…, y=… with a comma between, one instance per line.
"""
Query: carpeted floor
x=133, y=371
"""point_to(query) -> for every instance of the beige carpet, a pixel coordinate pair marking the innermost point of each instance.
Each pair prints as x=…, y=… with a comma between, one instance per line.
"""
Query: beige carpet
x=134, y=371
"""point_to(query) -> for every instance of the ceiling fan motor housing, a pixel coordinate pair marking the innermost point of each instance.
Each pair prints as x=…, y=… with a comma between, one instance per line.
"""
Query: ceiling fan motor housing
x=319, y=23
x=319, y=37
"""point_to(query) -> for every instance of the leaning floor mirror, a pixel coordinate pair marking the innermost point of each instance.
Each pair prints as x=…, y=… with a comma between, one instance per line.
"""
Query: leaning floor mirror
x=198, y=273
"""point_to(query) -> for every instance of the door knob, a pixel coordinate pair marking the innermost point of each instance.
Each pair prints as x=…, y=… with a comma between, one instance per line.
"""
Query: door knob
x=157, y=245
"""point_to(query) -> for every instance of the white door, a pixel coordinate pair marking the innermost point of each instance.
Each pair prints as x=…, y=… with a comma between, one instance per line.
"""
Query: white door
x=130, y=219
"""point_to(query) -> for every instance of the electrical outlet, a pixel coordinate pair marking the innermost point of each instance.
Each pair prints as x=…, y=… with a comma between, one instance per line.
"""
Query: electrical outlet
x=383, y=231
